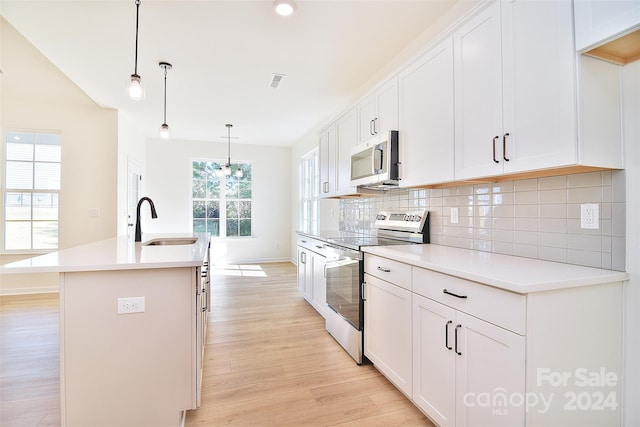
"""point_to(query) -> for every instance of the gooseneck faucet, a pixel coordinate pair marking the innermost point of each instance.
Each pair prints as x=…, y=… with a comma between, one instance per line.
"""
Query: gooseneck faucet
x=153, y=215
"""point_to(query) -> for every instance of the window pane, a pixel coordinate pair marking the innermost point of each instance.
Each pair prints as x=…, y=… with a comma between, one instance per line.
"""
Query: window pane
x=213, y=188
x=45, y=235
x=45, y=206
x=199, y=225
x=246, y=171
x=47, y=176
x=20, y=175
x=245, y=227
x=232, y=210
x=48, y=153
x=244, y=210
x=213, y=209
x=213, y=227
x=19, y=151
x=17, y=235
x=232, y=189
x=232, y=227
x=199, y=171
x=199, y=209
x=198, y=189
x=17, y=206
x=244, y=190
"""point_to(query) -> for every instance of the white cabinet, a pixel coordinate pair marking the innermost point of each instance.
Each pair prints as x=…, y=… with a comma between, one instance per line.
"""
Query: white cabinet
x=514, y=89
x=311, y=272
x=378, y=113
x=598, y=21
x=319, y=295
x=426, y=113
x=387, y=332
x=327, y=153
x=457, y=360
x=347, y=137
x=305, y=273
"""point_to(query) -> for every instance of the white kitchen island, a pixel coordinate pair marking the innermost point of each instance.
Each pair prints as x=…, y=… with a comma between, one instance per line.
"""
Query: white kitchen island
x=132, y=329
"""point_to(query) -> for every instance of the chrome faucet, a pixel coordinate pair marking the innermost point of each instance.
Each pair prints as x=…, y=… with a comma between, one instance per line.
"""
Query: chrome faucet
x=153, y=215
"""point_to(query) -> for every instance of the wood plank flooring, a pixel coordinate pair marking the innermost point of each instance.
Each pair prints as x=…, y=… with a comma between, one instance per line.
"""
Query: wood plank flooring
x=268, y=362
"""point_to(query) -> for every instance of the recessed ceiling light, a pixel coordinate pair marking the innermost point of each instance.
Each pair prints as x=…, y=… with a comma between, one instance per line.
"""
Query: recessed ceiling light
x=284, y=7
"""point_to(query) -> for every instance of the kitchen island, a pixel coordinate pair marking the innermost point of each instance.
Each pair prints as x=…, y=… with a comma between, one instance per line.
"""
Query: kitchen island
x=132, y=328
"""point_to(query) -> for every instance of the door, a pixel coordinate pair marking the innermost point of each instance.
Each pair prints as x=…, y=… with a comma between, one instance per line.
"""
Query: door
x=387, y=107
x=490, y=362
x=434, y=361
x=328, y=162
x=478, y=95
x=387, y=331
x=319, y=283
x=342, y=269
x=426, y=118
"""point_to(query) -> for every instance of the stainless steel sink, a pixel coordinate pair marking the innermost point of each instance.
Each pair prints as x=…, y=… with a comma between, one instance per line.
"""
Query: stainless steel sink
x=169, y=241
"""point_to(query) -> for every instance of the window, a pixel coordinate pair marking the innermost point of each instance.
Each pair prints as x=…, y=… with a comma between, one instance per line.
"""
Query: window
x=32, y=187
x=221, y=205
x=309, y=191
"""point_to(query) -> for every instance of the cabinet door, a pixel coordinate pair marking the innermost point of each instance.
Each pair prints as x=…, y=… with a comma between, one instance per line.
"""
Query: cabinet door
x=387, y=331
x=598, y=21
x=434, y=361
x=538, y=56
x=366, y=117
x=328, y=162
x=387, y=107
x=478, y=95
x=347, y=130
x=302, y=269
x=319, y=284
x=426, y=118
x=490, y=370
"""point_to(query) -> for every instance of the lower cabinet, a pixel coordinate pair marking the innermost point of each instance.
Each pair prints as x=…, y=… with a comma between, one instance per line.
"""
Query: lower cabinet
x=460, y=360
x=387, y=332
x=312, y=282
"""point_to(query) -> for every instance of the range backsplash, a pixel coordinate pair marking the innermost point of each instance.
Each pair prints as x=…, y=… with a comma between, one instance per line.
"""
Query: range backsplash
x=534, y=218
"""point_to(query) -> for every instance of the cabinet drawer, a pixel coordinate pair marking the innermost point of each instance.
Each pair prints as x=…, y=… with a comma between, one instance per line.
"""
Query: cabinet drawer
x=392, y=271
x=312, y=244
x=503, y=308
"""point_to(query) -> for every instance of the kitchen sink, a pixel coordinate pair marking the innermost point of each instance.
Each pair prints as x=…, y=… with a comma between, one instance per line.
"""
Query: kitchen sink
x=170, y=241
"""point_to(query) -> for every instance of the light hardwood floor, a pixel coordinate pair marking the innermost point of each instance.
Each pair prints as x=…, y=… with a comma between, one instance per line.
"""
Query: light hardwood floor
x=268, y=361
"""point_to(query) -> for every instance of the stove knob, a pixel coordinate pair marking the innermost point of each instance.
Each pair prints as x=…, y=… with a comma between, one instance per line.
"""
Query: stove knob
x=406, y=217
x=418, y=218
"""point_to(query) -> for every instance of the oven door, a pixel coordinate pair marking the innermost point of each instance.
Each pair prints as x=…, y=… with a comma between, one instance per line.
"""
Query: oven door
x=343, y=272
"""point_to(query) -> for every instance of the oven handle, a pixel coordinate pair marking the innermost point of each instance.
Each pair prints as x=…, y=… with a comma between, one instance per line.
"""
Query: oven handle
x=344, y=251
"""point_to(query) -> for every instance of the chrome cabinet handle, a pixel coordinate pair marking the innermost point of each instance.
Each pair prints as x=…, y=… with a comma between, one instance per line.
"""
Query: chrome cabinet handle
x=446, y=335
x=375, y=127
x=362, y=290
x=319, y=247
x=384, y=270
x=371, y=127
x=495, y=138
x=456, y=339
x=504, y=147
x=444, y=291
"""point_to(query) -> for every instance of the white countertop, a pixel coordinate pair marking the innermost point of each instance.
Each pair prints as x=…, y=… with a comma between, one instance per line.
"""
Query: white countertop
x=512, y=273
x=118, y=253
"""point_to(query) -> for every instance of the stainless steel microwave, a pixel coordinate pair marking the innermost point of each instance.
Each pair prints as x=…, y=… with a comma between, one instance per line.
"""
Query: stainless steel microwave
x=374, y=163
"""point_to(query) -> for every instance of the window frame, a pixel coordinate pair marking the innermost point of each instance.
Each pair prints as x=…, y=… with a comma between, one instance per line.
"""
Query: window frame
x=309, y=191
x=222, y=219
x=33, y=191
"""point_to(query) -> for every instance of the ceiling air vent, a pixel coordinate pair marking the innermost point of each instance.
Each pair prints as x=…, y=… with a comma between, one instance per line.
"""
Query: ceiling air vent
x=276, y=80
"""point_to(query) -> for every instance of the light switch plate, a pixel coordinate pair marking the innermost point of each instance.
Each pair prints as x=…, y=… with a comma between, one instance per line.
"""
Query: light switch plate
x=590, y=216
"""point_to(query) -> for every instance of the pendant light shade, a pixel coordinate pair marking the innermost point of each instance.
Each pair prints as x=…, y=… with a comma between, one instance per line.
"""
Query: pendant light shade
x=164, y=129
x=135, y=88
x=226, y=169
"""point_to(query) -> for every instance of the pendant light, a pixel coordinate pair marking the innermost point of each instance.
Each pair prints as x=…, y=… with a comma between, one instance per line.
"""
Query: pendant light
x=164, y=129
x=136, y=89
x=284, y=7
x=226, y=170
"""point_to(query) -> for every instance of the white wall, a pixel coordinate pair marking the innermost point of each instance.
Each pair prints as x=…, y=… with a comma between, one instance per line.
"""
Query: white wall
x=168, y=184
x=36, y=96
x=631, y=132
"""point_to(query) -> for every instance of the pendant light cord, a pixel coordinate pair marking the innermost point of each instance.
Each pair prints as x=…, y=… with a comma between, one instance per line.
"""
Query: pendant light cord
x=165, y=95
x=135, y=68
x=229, y=144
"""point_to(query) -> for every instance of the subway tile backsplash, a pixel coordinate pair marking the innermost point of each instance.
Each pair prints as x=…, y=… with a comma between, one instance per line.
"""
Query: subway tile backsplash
x=533, y=218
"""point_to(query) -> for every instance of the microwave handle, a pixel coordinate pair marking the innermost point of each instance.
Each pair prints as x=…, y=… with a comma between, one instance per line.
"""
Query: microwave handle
x=377, y=168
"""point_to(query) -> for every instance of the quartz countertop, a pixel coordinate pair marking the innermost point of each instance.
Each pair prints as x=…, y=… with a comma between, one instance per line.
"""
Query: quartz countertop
x=512, y=273
x=118, y=253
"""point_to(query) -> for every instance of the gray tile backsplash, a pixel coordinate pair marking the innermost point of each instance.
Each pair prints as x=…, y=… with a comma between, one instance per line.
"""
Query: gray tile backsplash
x=534, y=218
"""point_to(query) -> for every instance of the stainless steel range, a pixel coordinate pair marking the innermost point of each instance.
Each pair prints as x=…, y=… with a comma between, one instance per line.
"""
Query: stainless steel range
x=345, y=272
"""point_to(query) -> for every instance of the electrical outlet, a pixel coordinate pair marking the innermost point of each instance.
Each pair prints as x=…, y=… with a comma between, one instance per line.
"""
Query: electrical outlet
x=131, y=305
x=589, y=216
x=454, y=215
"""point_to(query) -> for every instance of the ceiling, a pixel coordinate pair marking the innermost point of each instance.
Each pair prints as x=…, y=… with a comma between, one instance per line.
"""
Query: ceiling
x=224, y=54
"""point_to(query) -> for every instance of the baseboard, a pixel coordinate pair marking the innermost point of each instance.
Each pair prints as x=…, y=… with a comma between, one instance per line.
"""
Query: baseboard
x=5, y=292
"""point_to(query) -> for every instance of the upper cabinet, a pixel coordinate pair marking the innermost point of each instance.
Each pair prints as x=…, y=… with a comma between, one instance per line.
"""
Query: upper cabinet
x=347, y=134
x=600, y=21
x=327, y=151
x=426, y=114
x=514, y=89
x=378, y=112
